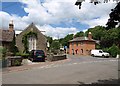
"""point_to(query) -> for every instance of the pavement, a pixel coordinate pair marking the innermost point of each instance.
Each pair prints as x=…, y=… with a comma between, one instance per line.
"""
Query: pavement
x=31, y=66
x=74, y=70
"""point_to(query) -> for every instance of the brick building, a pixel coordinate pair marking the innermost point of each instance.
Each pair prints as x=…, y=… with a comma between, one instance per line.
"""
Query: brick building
x=82, y=45
x=39, y=43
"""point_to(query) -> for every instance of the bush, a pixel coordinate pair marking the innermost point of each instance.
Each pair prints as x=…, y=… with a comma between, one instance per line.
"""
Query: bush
x=25, y=55
x=2, y=52
x=105, y=49
x=17, y=63
x=18, y=54
x=114, y=50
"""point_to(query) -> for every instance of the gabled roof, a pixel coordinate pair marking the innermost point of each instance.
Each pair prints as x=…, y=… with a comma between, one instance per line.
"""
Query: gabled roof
x=30, y=27
x=81, y=39
x=6, y=35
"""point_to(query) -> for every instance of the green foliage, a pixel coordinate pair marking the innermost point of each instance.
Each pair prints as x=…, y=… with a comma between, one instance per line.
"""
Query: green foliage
x=24, y=55
x=114, y=19
x=13, y=48
x=25, y=40
x=17, y=62
x=18, y=54
x=97, y=32
x=110, y=37
x=64, y=41
x=106, y=37
x=55, y=45
x=79, y=34
x=49, y=39
x=98, y=46
x=2, y=52
x=114, y=50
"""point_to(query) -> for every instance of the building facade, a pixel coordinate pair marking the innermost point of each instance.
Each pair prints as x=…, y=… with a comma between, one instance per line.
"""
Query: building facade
x=38, y=42
x=81, y=45
x=7, y=37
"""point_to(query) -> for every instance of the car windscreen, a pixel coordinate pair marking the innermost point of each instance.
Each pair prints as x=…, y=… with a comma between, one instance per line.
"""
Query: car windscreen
x=39, y=53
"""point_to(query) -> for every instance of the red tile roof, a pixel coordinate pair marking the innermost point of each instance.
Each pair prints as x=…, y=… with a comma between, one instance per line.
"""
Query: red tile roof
x=81, y=39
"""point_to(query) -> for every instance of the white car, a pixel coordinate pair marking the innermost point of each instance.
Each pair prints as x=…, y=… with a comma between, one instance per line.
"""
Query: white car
x=99, y=53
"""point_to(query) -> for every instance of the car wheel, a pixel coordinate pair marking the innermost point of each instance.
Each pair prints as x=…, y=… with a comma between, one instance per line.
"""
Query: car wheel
x=32, y=59
x=43, y=60
x=103, y=56
x=92, y=55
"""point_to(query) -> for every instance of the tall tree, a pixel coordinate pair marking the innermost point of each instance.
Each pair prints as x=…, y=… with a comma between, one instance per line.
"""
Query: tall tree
x=49, y=39
x=64, y=41
x=97, y=32
x=79, y=34
x=55, y=45
x=111, y=37
x=114, y=19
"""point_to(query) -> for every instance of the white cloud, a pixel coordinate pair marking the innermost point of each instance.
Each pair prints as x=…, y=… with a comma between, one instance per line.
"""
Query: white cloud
x=57, y=32
x=56, y=11
x=5, y=17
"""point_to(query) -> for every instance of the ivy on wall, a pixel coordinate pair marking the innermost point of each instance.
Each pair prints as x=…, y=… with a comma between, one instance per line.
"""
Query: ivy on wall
x=25, y=40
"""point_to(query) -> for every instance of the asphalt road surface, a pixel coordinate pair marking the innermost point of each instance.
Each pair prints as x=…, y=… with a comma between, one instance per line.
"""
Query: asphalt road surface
x=76, y=70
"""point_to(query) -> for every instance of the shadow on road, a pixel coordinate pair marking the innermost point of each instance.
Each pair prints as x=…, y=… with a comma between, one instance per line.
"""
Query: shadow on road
x=110, y=81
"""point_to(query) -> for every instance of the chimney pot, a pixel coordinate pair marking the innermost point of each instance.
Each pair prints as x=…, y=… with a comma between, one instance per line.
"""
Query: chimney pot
x=89, y=35
x=11, y=26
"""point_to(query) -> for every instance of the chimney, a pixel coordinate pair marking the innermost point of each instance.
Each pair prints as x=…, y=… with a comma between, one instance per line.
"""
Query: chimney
x=11, y=26
x=89, y=35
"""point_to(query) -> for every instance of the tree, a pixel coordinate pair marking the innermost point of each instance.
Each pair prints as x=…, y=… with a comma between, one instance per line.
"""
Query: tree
x=79, y=34
x=114, y=19
x=64, y=41
x=13, y=47
x=79, y=2
x=49, y=39
x=55, y=45
x=106, y=37
x=97, y=32
x=114, y=50
x=110, y=37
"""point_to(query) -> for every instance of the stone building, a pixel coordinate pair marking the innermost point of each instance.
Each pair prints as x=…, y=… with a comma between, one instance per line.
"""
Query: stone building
x=34, y=43
x=7, y=37
x=82, y=45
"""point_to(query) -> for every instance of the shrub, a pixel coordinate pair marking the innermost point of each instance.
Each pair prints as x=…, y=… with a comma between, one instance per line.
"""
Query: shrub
x=114, y=50
x=17, y=63
x=25, y=55
x=18, y=54
x=2, y=52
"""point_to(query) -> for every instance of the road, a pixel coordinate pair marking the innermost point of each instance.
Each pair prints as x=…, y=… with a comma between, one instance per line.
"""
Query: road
x=76, y=70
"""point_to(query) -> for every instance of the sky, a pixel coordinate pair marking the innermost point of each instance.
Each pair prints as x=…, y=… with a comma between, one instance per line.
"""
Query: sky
x=56, y=17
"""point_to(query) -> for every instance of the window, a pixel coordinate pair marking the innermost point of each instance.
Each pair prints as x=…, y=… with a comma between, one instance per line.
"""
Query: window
x=100, y=51
x=32, y=43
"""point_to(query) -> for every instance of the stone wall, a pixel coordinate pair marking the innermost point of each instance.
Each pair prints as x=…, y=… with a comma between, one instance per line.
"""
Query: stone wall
x=56, y=57
x=41, y=40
